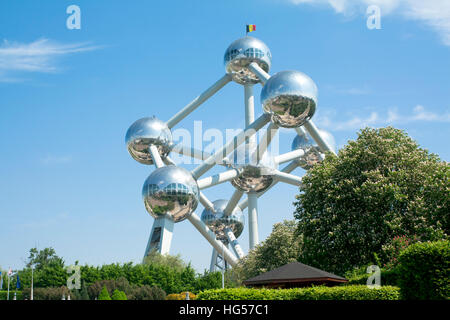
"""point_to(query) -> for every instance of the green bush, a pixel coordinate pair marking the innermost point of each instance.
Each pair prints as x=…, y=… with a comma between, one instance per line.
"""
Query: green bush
x=388, y=278
x=355, y=292
x=51, y=293
x=424, y=271
x=104, y=294
x=4, y=295
x=119, y=295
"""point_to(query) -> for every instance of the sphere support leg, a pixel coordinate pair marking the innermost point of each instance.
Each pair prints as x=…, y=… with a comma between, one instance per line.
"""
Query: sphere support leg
x=253, y=219
x=161, y=236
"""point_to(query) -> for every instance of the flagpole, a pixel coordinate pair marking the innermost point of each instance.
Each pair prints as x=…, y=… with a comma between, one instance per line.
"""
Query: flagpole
x=31, y=282
x=8, y=288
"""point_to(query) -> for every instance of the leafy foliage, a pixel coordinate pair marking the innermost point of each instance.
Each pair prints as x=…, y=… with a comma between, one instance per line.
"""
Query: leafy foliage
x=355, y=292
x=380, y=186
x=53, y=293
x=282, y=246
x=181, y=296
x=119, y=295
x=104, y=294
x=424, y=271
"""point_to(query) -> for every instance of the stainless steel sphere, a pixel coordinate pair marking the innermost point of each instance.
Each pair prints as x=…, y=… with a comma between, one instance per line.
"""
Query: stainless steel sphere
x=144, y=133
x=241, y=53
x=290, y=97
x=313, y=154
x=218, y=221
x=170, y=191
x=256, y=175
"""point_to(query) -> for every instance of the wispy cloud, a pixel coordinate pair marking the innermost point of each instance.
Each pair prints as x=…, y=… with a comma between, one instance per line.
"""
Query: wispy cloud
x=52, y=159
x=377, y=119
x=38, y=56
x=433, y=13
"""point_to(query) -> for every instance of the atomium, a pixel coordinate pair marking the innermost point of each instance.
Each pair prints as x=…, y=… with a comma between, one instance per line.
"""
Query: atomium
x=290, y=97
x=146, y=132
x=312, y=153
x=218, y=221
x=170, y=191
x=256, y=175
x=241, y=53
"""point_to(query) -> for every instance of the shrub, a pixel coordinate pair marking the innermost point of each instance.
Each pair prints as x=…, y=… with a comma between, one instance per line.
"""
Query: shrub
x=104, y=294
x=119, y=295
x=424, y=271
x=4, y=295
x=147, y=293
x=355, y=292
x=50, y=293
x=391, y=250
x=388, y=278
x=181, y=296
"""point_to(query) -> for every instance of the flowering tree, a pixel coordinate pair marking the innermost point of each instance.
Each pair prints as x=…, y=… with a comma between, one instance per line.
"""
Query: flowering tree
x=380, y=186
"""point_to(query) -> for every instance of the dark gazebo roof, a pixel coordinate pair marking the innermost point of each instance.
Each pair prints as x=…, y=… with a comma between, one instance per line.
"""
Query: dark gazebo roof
x=294, y=274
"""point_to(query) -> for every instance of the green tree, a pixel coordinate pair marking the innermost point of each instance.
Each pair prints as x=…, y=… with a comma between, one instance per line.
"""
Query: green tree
x=119, y=295
x=84, y=294
x=42, y=258
x=380, y=186
x=157, y=259
x=282, y=246
x=104, y=294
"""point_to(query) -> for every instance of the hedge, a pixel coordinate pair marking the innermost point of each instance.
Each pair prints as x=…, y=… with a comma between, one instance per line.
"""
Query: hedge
x=4, y=295
x=424, y=271
x=388, y=278
x=353, y=292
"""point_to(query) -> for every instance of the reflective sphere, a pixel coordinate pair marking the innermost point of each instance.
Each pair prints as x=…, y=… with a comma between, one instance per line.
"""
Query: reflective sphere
x=144, y=133
x=241, y=53
x=290, y=97
x=170, y=191
x=218, y=221
x=313, y=154
x=255, y=175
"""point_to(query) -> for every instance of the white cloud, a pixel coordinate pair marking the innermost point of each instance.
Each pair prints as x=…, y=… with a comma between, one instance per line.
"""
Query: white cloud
x=433, y=13
x=38, y=56
x=377, y=119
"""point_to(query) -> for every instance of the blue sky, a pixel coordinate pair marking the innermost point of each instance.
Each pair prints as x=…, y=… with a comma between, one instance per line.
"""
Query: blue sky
x=68, y=97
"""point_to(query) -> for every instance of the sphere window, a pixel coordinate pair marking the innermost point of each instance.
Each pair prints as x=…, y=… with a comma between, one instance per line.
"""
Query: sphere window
x=231, y=54
x=254, y=53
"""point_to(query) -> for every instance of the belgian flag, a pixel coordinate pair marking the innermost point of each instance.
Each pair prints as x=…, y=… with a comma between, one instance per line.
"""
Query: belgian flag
x=251, y=28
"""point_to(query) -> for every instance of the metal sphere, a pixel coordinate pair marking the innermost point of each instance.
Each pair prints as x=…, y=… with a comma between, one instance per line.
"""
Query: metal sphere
x=256, y=175
x=290, y=97
x=312, y=152
x=217, y=221
x=144, y=133
x=241, y=53
x=170, y=191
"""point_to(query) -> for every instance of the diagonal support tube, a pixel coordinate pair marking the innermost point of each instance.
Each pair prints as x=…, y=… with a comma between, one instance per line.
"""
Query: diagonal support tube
x=237, y=195
x=211, y=238
x=315, y=134
x=230, y=146
x=234, y=243
x=156, y=156
x=260, y=73
x=206, y=202
x=194, y=104
x=288, y=178
x=217, y=179
x=266, y=139
x=289, y=156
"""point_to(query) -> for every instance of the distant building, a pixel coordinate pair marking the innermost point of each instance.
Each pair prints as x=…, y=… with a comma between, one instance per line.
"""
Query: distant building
x=294, y=275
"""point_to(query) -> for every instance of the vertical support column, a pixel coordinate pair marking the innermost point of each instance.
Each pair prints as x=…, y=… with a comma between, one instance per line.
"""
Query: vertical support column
x=249, y=114
x=160, y=237
x=253, y=219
